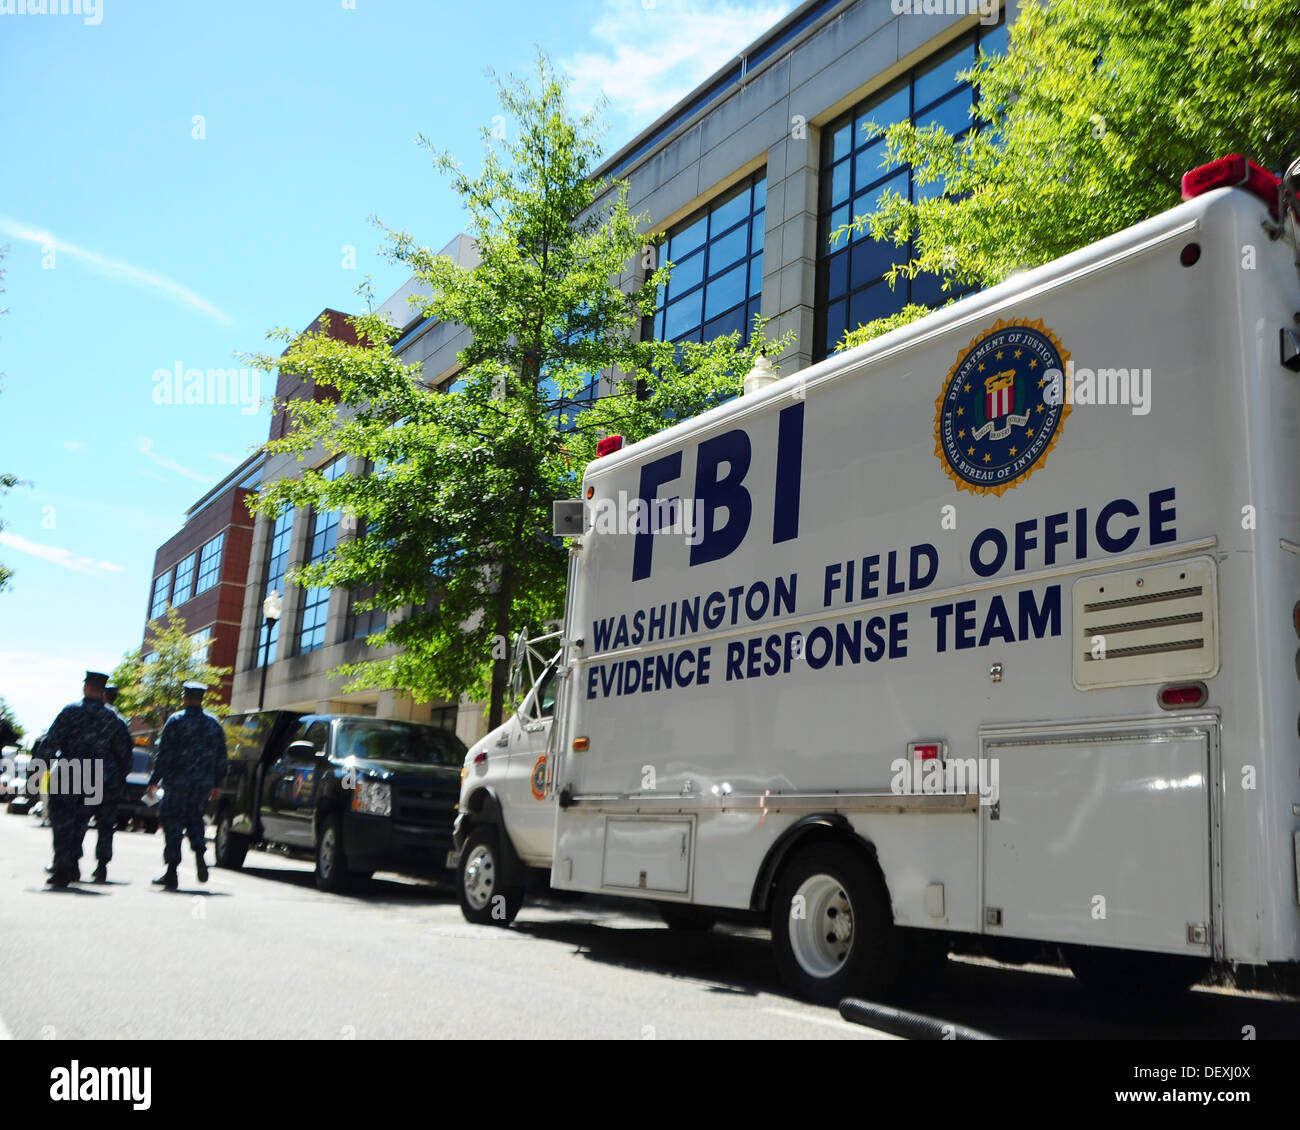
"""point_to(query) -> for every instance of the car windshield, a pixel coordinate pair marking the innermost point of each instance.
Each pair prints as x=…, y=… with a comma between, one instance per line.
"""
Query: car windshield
x=382, y=740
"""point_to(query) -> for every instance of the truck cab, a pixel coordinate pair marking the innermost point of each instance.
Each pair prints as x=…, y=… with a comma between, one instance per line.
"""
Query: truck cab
x=360, y=794
x=505, y=791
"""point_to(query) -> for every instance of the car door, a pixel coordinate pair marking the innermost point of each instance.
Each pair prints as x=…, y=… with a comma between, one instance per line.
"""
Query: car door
x=531, y=822
x=289, y=788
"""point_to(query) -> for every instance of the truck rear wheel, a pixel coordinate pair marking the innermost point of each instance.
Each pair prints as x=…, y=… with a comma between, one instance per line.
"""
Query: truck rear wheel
x=489, y=896
x=231, y=846
x=832, y=931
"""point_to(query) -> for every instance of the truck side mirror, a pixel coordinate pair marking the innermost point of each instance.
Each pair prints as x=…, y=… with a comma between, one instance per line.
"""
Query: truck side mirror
x=300, y=750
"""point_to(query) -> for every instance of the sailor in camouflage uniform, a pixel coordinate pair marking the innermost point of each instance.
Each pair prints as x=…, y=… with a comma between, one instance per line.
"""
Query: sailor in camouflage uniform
x=88, y=732
x=106, y=812
x=191, y=764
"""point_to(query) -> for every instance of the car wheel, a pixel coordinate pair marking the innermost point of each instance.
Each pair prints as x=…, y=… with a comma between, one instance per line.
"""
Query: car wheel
x=832, y=930
x=488, y=896
x=151, y=826
x=331, y=861
x=693, y=919
x=121, y=823
x=231, y=845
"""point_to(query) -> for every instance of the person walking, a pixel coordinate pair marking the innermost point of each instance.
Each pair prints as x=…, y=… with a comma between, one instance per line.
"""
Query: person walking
x=191, y=765
x=88, y=733
x=105, y=812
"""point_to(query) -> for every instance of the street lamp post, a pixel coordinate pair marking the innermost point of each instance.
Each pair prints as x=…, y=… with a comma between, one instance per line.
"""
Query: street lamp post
x=271, y=609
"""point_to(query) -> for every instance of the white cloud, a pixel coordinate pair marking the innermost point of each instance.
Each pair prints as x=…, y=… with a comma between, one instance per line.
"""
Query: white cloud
x=57, y=555
x=146, y=449
x=651, y=57
x=36, y=686
x=115, y=268
x=228, y=460
x=73, y=445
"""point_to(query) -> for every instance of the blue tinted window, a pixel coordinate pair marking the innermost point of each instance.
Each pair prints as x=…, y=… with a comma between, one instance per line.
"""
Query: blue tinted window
x=840, y=185
x=953, y=113
x=687, y=239
x=681, y=315
x=883, y=111
x=728, y=249
x=941, y=76
x=686, y=274
x=851, y=289
x=730, y=211
x=704, y=296
x=726, y=290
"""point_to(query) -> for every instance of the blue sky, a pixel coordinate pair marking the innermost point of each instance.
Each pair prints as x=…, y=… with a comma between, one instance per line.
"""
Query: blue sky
x=135, y=245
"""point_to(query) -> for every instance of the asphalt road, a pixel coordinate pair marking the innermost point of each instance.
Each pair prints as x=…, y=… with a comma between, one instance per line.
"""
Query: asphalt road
x=261, y=954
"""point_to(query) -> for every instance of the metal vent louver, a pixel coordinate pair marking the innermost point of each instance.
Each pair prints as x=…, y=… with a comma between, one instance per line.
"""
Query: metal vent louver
x=1149, y=625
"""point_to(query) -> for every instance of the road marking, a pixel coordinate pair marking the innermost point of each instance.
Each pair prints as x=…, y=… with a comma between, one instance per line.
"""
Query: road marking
x=842, y=1026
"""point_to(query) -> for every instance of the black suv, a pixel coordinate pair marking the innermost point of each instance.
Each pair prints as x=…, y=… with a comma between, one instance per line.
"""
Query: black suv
x=363, y=794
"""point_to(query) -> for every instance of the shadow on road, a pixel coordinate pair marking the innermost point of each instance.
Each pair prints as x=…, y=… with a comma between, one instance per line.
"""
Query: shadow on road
x=379, y=891
x=1004, y=1001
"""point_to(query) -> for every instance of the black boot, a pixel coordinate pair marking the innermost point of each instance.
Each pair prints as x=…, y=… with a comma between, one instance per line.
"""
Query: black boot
x=201, y=866
x=168, y=880
x=101, y=872
x=59, y=879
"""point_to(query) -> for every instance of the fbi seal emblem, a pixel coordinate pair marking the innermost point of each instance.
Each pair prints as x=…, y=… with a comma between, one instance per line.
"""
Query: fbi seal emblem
x=1001, y=409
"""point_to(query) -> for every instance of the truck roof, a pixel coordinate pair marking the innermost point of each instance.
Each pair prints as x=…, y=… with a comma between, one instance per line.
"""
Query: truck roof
x=974, y=308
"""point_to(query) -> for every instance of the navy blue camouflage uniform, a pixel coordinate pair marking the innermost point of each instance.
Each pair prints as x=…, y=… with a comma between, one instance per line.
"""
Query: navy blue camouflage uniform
x=191, y=763
x=88, y=732
x=106, y=812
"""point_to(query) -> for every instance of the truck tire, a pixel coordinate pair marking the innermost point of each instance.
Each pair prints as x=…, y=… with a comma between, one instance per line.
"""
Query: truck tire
x=489, y=895
x=1129, y=973
x=332, y=874
x=685, y=917
x=231, y=846
x=833, y=933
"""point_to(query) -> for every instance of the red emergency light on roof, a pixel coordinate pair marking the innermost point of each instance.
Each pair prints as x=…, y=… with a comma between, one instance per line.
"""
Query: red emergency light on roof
x=608, y=445
x=1233, y=171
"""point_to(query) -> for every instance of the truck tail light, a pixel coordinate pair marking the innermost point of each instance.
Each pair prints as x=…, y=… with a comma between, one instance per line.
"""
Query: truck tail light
x=1233, y=171
x=1182, y=696
x=581, y=745
x=480, y=758
x=926, y=751
x=608, y=445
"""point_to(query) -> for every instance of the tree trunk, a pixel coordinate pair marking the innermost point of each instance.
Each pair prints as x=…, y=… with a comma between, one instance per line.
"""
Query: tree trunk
x=501, y=627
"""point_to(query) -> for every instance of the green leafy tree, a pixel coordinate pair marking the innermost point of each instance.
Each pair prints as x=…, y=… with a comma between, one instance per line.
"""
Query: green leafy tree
x=151, y=689
x=454, y=524
x=11, y=730
x=1087, y=124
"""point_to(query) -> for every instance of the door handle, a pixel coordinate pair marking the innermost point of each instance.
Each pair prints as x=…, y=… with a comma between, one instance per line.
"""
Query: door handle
x=503, y=740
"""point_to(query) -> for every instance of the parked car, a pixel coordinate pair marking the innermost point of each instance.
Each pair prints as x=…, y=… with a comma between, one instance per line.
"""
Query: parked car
x=132, y=806
x=361, y=794
x=18, y=794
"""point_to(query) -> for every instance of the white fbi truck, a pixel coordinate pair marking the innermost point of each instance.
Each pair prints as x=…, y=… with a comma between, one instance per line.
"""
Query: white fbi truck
x=984, y=633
